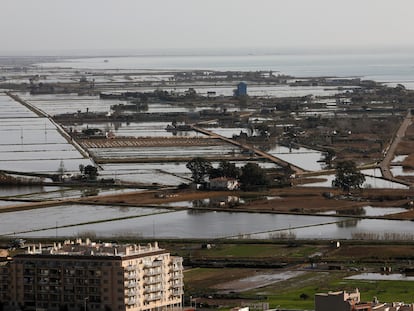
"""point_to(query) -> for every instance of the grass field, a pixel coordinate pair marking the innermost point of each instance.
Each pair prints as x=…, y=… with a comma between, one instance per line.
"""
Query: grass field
x=298, y=292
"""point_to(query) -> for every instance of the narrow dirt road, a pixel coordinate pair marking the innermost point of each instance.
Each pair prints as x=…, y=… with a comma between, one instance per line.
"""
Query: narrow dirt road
x=390, y=151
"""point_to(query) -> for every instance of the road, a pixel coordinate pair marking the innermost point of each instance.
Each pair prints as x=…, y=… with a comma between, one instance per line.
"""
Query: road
x=390, y=151
x=282, y=163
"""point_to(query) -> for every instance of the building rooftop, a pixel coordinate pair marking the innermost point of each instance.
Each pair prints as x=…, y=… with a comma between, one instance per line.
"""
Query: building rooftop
x=79, y=247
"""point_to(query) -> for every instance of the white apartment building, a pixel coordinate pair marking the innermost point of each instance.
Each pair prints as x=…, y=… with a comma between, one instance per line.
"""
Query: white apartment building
x=97, y=276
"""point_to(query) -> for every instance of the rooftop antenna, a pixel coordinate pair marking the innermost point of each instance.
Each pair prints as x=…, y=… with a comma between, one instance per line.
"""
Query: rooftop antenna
x=21, y=135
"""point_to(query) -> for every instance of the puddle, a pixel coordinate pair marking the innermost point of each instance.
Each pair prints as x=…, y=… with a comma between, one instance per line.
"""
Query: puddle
x=381, y=277
x=258, y=280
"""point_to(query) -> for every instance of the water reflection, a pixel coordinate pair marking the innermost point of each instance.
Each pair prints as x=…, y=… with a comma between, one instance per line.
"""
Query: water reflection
x=196, y=224
x=381, y=277
x=348, y=223
x=358, y=210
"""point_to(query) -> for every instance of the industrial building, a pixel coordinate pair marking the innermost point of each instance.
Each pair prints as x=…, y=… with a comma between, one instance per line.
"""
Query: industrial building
x=83, y=275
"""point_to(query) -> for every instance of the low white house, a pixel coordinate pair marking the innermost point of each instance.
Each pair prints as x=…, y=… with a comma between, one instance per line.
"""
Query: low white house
x=224, y=183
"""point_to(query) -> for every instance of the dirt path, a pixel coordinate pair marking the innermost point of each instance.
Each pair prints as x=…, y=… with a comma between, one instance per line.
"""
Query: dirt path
x=390, y=152
x=261, y=153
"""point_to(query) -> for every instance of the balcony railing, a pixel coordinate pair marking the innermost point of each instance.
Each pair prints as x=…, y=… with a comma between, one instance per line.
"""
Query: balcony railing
x=131, y=276
x=152, y=280
x=153, y=289
x=153, y=264
x=153, y=297
x=131, y=284
x=131, y=302
x=131, y=268
x=131, y=293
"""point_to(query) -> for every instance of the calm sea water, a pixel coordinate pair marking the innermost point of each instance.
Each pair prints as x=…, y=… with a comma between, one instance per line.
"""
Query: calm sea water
x=394, y=67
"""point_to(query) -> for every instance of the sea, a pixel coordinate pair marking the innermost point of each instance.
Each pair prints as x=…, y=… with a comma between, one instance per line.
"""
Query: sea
x=390, y=67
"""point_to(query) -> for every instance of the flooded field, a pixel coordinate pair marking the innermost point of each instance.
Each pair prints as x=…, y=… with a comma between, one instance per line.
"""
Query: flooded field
x=67, y=215
x=381, y=277
x=32, y=144
x=374, y=211
x=161, y=173
x=307, y=159
x=258, y=280
x=370, y=182
x=116, y=221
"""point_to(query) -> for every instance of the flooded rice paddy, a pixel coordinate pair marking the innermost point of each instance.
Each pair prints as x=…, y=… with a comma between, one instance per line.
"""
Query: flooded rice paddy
x=373, y=179
x=115, y=221
x=32, y=144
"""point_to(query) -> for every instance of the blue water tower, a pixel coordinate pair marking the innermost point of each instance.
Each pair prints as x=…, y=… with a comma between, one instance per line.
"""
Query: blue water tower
x=241, y=89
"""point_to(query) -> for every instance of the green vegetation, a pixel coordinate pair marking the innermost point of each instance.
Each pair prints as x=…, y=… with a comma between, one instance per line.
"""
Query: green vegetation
x=348, y=176
x=199, y=168
x=385, y=291
x=287, y=293
x=298, y=292
x=251, y=176
x=256, y=251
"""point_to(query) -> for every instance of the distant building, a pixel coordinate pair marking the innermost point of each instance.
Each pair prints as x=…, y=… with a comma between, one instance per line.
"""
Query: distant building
x=339, y=301
x=241, y=89
x=343, y=301
x=224, y=183
x=98, y=276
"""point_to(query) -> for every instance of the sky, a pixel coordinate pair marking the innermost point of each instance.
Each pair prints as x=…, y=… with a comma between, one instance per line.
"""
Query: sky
x=28, y=26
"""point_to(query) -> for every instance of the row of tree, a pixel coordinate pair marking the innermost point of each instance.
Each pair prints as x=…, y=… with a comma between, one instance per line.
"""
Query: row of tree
x=251, y=176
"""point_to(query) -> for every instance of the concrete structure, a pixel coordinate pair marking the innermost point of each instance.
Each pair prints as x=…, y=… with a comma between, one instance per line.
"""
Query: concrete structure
x=95, y=276
x=340, y=301
x=394, y=306
x=343, y=301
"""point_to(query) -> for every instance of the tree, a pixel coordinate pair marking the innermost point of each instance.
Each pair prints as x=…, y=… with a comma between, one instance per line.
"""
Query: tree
x=91, y=172
x=253, y=177
x=200, y=169
x=348, y=176
x=225, y=169
x=229, y=169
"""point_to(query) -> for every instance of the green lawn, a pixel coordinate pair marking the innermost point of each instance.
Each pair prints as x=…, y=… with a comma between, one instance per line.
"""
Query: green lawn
x=256, y=251
x=288, y=295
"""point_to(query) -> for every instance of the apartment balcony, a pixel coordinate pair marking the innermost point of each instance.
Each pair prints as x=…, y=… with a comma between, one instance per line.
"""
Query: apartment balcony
x=131, y=285
x=153, y=298
x=131, y=302
x=148, y=281
x=152, y=272
x=177, y=285
x=130, y=276
x=131, y=268
x=131, y=293
x=177, y=292
x=175, y=268
x=154, y=264
x=176, y=276
x=153, y=289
